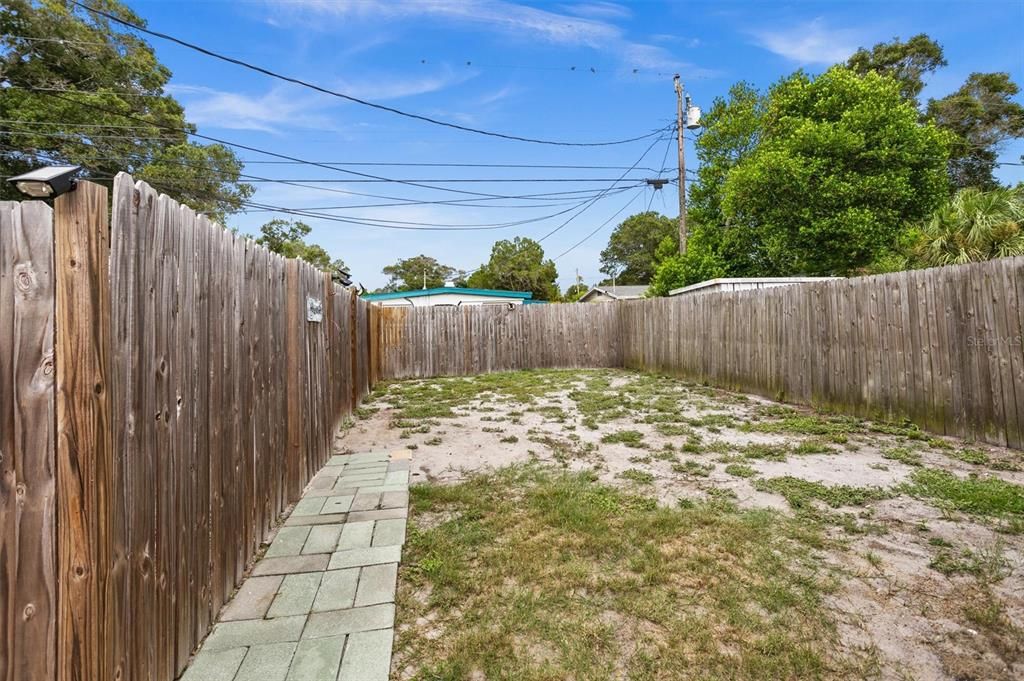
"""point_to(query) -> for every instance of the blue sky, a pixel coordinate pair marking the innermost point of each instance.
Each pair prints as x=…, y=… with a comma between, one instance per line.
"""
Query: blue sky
x=581, y=72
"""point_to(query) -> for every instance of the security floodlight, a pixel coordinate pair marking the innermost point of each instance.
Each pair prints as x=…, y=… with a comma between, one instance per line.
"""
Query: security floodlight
x=46, y=183
x=343, y=276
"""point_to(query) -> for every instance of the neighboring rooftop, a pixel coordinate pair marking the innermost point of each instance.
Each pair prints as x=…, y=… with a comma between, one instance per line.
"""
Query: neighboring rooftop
x=744, y=284
x=449, y=290
x=599, y=293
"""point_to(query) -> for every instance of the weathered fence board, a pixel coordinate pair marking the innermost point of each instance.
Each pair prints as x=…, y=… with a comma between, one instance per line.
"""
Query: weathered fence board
x=28, y=579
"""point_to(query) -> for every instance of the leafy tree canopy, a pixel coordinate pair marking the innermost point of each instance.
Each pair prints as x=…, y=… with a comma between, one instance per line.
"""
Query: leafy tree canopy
x=630, y=252
x=409, y=274
x=843, y=164
x=983, y=117
x=732, y=130
x=908, y=62
x=981, y=113
x=68, y=73
x=574, y=293
x=518, y=265
x=288, y=238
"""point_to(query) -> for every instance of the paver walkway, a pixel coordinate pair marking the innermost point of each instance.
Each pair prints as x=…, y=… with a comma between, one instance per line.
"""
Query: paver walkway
x=320, y=605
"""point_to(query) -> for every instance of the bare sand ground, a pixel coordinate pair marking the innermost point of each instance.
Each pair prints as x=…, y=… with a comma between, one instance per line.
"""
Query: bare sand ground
x=895, y=595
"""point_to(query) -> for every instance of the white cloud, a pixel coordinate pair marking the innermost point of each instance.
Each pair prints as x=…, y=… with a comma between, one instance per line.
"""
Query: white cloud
x=283, y=107
x=382, y=87
x=599, y=10
x=267, y=112
x=588, y=25
x=811, y=42
x=497, y=15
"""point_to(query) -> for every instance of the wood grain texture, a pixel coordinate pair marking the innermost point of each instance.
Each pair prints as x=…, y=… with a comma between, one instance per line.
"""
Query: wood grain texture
x=84, y=446
x=28, y=586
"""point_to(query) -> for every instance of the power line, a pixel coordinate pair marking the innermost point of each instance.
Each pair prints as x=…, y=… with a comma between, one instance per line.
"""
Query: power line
x=598, y=228
x=350, y=98
x=268, y=153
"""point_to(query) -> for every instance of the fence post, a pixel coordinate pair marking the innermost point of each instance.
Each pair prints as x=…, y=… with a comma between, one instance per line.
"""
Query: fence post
x=84, y=451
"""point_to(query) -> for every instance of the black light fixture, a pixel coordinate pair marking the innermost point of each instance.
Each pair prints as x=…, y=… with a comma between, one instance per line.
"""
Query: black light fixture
x=343, y=276
x=46, y=183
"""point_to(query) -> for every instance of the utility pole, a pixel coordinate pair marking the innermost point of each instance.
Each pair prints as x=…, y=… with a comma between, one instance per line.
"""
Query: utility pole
x=682, y=166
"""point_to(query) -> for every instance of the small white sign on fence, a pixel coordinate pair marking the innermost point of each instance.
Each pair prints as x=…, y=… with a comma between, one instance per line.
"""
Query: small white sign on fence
x=314, y=310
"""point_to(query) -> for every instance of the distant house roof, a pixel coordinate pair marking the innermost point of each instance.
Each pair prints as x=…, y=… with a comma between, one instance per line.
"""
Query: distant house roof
x=483, y=292
x=616, y=292
x=747, y=282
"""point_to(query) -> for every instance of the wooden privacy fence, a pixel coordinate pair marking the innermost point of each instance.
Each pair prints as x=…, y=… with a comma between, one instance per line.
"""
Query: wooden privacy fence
x=166, y=390
x=474, y=339
x=943, y=347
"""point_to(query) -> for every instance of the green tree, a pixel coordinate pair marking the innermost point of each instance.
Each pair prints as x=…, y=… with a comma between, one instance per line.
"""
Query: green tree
x=574, y=293
x=842, y=164
x=288, y=238
x=67, y=70
x=908, y=62
x=974, y=226
x=630, y=252
x=981, y=113
x=700, y=262
x=732, y=130
x=409, y=274
x=518, y=265
x=983, y=117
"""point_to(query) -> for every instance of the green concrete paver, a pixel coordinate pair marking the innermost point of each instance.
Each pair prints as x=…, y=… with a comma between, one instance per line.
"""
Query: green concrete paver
x=367, y=656
x=296, y=595
x=350, y=621
x=361, y=557
x=319, y=605
x=323, y=539
x=389, y=533
x=377, y=584
x=288, y=542
x=356, y=536
x=336, y=504
x=215, y=665
x=308, y=506
x=289, y=564
x=251, y=632
x=337, y=590
x=267, y=663
x=317, y=659
x=252, y=600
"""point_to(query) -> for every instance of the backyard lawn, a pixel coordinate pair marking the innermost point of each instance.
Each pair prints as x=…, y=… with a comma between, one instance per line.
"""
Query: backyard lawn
x=606, y=524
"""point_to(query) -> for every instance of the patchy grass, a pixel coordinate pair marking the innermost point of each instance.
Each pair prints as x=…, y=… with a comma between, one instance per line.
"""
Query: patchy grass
x=794, y=423
x=532, y=575
x=740, y=470
x=988, y=565
x=630, y=438
x=801, y=493
x=983, y=496
x=767, y=452
x=509, y=439
x=691, y=467
x=904, y=455
x=968, y=455
x=638, y=476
